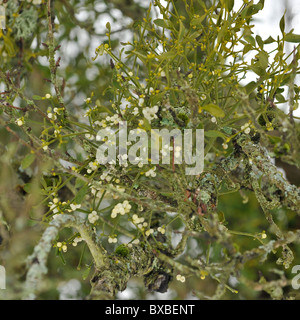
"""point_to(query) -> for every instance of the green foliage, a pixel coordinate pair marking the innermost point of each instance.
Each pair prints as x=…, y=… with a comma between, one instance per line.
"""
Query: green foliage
x=122, y=250
x=236, y=220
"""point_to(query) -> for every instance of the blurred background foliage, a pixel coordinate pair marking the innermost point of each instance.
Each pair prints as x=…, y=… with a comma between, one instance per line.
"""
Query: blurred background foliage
x=79, y=28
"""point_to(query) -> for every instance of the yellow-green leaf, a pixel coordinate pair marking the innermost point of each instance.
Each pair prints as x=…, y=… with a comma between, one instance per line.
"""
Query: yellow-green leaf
x=28, y=160
x=253, y=9
x=181, y=31
x=282, y=24
x=291, y=37
x=163, y=23
x=259, y=41
x=250, y=40
x=229, y=4
x=214, y=134
x=81, y=194
x=263, y=59
x=215, y=110
x=280, y=98
x=35, y=97
x=269, y=40
x=157, y=97
x=168, y=55
x=197, y=21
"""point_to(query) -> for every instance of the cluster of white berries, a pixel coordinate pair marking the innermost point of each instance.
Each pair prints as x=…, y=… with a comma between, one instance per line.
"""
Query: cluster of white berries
x=162, y=73
x=115, y=119
x=148, y=232
x=141, y=102
x=93, y=166
x=135, y=111
x=121, y=208
x=93, y=217
x=76, y=241
x=140, y=222
x=105, y=176
x=177, y=152
x=101, y=123
x=134, y=132
x=162, y=230
x=150, y=113
x=74, y=206
x=213, y=119
x=96, y=191
x=53, y=205
x=52, y=114
x=263, y=235
x=56, y=132
x=140, y=162
x=90, y=136
x=110, y=133
x=20, y=122
x=136, y=241
x=62, y=246
x=225, y=146
x=203, y=96
x=151, y=172
x=123, y=159
x=151, y=90
x=164, y=150
x=112, y=240
x=246, y=128
x=180, y=278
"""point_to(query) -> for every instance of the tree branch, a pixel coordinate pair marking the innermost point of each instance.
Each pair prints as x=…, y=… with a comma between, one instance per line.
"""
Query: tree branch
x=37, y=262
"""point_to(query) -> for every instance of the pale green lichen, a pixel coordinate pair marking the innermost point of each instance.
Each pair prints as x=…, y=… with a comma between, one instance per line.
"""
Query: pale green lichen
x=204, y=196
x=25, y=23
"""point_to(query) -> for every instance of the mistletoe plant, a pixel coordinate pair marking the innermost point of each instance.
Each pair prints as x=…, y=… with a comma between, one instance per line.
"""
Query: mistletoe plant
x=186, y=68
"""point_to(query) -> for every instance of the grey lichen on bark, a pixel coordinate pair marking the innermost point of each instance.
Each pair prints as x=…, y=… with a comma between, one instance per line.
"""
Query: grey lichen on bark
x=141, y=261
x=37, y=262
